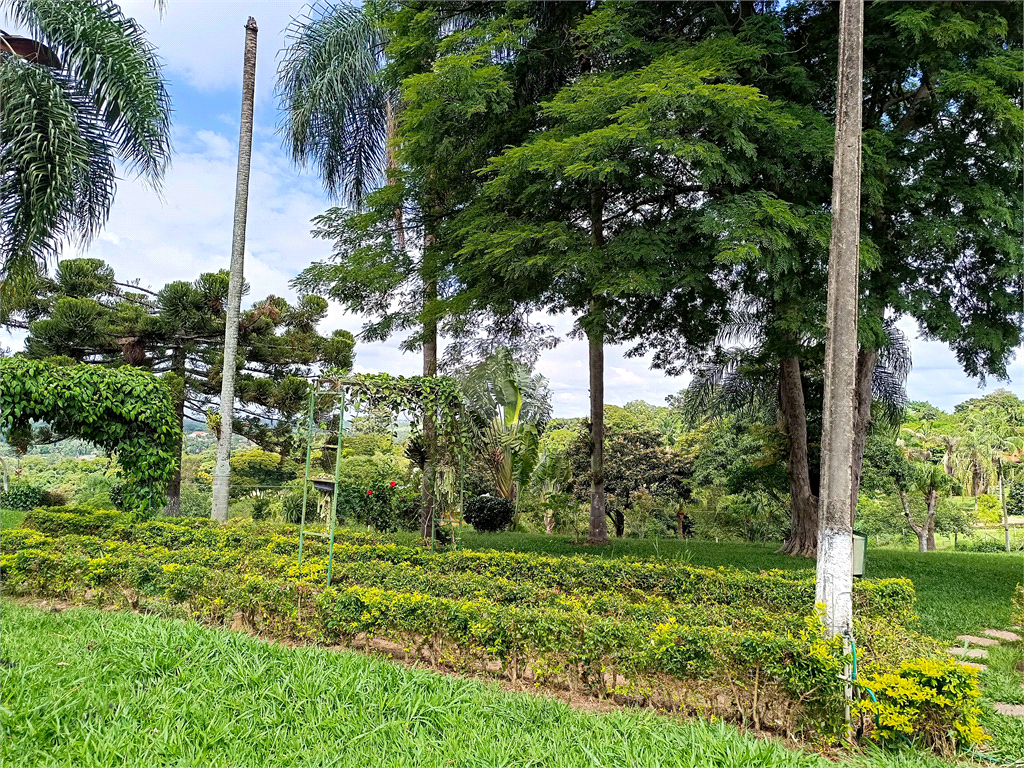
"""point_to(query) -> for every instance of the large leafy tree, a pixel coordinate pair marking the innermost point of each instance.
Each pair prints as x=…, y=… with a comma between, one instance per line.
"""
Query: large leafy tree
x=84, y=313
x=83, y=93
x=635, y=461
x=598, y=211
x=941, y=209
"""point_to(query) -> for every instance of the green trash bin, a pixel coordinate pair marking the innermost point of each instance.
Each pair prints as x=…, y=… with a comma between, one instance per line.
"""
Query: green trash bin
x=860, y=546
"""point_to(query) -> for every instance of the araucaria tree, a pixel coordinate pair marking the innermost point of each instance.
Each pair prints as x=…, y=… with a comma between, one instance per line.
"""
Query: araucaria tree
x=83, y=313
x=84, y=91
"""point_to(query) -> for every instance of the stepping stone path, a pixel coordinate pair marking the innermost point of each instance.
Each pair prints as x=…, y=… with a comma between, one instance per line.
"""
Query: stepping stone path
x=999, y=634
x=972, y=640
x=993, y=637
x=1013, y=710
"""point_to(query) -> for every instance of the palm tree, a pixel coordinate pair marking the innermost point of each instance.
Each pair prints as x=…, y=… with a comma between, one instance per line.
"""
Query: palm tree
x=222, y=470
x=338, y=116
x=85, y=91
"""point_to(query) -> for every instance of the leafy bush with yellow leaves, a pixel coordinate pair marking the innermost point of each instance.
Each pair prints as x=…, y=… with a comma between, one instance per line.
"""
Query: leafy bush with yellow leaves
x=934, y=700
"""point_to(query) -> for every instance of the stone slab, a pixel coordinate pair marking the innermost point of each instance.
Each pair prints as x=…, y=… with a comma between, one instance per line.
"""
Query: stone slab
x=1001, y=634
x=977, y=640
x=1013, y=710
x=972, y=665
x=970, y=653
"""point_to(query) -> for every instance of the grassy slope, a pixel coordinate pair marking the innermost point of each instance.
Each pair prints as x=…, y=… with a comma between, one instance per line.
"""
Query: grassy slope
x=957, y=592
x=85, y=687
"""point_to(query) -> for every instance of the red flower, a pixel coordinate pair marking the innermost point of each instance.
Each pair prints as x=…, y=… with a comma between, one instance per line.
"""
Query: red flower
x=393, y=483
x=369, y=493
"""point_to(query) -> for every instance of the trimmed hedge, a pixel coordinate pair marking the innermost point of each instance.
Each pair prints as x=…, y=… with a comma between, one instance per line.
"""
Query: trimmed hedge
x=774, y=590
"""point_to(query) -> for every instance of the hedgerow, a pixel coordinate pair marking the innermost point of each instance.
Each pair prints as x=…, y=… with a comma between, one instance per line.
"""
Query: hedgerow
x=893, y=598
x=734, y=644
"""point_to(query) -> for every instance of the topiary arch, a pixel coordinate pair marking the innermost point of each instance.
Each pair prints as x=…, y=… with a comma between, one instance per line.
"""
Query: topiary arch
x=122, y=410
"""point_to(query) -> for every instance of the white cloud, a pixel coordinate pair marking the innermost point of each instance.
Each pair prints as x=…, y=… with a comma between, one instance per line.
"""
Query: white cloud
x=203, y=41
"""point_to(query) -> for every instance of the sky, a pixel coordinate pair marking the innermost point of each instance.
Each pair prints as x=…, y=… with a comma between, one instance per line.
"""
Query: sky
x=185, y=228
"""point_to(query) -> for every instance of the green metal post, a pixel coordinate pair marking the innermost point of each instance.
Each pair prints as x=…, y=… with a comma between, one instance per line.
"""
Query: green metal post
x=337, y=473
x=305, y=481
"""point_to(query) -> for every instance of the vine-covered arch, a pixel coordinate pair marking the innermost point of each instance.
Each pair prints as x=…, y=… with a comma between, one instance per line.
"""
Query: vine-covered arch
x=122, y=410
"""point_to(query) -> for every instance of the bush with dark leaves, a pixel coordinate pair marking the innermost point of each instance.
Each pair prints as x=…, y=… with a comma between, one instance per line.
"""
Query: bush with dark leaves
x=489, y=513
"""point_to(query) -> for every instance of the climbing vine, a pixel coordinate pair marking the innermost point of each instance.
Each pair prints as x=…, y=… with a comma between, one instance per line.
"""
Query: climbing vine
x=122, y=410
x=416, y=396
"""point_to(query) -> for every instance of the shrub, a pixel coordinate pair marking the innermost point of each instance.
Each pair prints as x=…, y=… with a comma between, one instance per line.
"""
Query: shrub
x=261, y=508
x=292, y=504
x=117, y=496
x=22, y=497
x=367, y=445
x=985, y=545
x=194, y=502
x=53, y=498
x=989, y=509
x=931, y=699
x=489, y=513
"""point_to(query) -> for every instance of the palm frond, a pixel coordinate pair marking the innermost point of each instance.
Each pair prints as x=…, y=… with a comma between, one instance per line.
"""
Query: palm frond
x=107, y=55
x=335, y=110
x=56, y=171
x=889, y=379
x=731, y=386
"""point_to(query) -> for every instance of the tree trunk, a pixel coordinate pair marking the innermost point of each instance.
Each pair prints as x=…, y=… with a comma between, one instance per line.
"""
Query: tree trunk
x=920, y=530
x=391, y=168
x=866, y=360
x=803, y=504
x=174, y=486
x=835, y=537
x=1002, y=503
x=222, y=470
x=930, y=499
x=619, y=521
x=429, y=424
x=977, y=478
x=598, y=533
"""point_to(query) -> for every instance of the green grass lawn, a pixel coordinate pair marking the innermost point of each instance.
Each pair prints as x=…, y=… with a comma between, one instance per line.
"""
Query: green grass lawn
x=10, y=518
x=91, y=688
x=957, y=592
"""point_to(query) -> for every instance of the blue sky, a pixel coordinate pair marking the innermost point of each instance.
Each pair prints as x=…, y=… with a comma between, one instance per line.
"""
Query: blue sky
x=186, y=228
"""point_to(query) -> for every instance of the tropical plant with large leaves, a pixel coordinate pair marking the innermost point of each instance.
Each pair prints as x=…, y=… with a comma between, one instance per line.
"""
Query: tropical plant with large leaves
x=83, y=92
x=509, y=404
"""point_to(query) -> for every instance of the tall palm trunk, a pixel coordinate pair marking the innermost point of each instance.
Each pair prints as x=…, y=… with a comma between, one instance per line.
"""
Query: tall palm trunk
x=931, y=498
x=835, y=536
x=222, y=471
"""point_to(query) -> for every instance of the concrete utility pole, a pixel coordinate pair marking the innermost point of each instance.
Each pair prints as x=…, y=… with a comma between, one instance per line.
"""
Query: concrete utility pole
x=222, y=471
x=835, y=530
